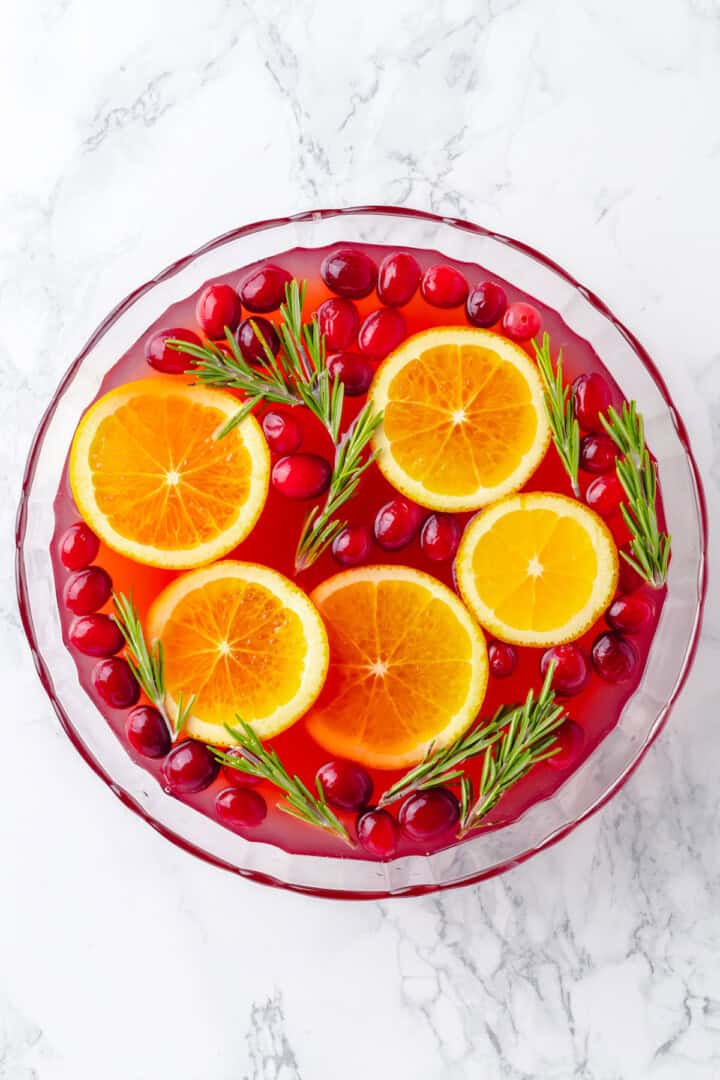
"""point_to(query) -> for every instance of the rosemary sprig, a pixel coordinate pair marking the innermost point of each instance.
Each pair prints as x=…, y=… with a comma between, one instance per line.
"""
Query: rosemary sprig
x=148, y=664
x=300, y=802
x=649, y=548
x=560, y=413
x=527, y=739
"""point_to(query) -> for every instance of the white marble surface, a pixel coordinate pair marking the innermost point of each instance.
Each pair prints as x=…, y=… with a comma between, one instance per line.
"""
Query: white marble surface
x=132, y=132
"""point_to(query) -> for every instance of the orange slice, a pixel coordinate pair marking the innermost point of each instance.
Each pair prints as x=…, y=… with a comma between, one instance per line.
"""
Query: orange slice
x=537, y=569
x=464, y=419
x=246, y=642
x=408, y=666
x=150, y=476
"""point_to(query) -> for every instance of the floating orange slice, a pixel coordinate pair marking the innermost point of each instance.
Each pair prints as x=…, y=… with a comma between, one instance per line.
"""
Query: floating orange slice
x=464, y=419
x=408, y=666
x=150, y=476
x=537, y=569
x=246, y=642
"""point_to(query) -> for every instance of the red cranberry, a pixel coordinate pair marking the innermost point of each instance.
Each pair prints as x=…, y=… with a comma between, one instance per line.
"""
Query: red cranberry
x=283, y=431
x=378, y=833
x=348, y=272
x=444, y=286
x=352, y=545
x=264, y=289
x=347, y=786
x=629, y=579
x=353, y=371
x=189, y=767
x=115, y=683
x=339, y=323
x=568, y=743
x=614, y=658
x=486, y=304
x=502, y=659
x=237, y=776
x=521, y=322
x=164, y=358
x=238, y=808
x=440, y=537
x=630, y=613
x=429, y=814
x=301, y=476
x=382, y=332
x=597, y=453
x=218, y=307
x=87, y=590
x=572, y=671
x=147, y=732
x=396, y=524
x=249, y=343
x=604, y=495
x=591, y=395
x=96, y=635
x=79, y=546
x=398, y=278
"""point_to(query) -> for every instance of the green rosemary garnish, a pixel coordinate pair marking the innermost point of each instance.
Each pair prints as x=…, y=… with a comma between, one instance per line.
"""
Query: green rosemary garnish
x=637, y=473
x=299, y=802
x=560, y=413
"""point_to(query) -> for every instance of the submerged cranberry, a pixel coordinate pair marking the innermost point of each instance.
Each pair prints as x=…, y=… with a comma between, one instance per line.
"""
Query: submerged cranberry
x=301, y=476
x=96, y=635
x=147, y=732
x=521, y=322
x=240, y=809
x=429, y=814
x=249, y=343
x=630, y=613
x=283, y=431
x=591, y=395
x=486, y=304
x=352, y=545
x=189, y=767
x=604, y=495
x=502, y=659
x=218, y=307
x=349, y=272
x=115, y=683
x=597, y=453
x=339, y=323
x=164, y=358
x=382, y=332
x=78, y=546
x=378, y=833
x=440, y=537
x=396, y=524
x=87, y=590
x=347, y=786
x=614, y=658
x=569, y=739
x=353, y=371
x=572, y=671
x=444, y=286
x=237, y=776
x=264, y=288
x=629, y=579
x=398, y=278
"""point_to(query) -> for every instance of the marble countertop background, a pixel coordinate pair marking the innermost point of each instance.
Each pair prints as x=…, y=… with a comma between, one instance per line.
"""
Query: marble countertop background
x=133, y=132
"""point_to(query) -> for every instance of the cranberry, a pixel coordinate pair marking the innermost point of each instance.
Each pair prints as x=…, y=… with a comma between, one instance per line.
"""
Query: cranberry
x=382, y=332
x=630, y=613
x=521, y=322
x=502, y=659
x=572, y=671
x=486, y=304
x=164, y=358
x=238, y=808
x=597, y=453
x=604, y=495
x=249, y=343
x=591, y=395
x=353, y=371
x=79, y=546
x=87, y=590
x=189, y=767
x=147, y=732
x=283, y=431
x=568, y=742
x=347, y=786
x=429, y=814
x=115, y=683
x=339, y=323
x=629, y=579
x=218, y=307
x=301, y=476
x=444, y=286
x=352, y=545
x=348, y=272
x=440, y=537
x=398, y=278
x=237, y=776
x=614, y=658
x=396, y=524
x=264, y=289
x=378, y=833
x=96, y=635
